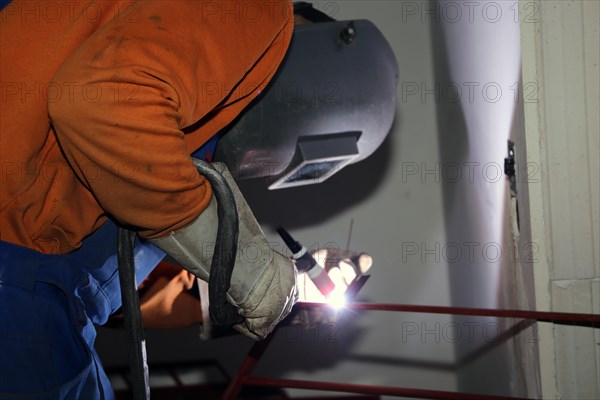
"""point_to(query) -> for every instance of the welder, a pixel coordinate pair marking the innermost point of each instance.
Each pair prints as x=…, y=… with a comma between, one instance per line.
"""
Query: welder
x=102, y=104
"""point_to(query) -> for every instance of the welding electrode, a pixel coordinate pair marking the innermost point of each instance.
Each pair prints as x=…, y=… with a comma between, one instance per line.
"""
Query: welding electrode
x=306, y=263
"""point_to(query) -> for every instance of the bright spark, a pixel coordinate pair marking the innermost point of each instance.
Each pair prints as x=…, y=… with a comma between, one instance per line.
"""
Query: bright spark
x=337, y=299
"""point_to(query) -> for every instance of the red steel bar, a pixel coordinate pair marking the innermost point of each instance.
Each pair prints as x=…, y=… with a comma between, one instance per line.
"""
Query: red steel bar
x=342, y=397
x=368, y=389
x=250, y=361
x=543, y=316
x=243, y=376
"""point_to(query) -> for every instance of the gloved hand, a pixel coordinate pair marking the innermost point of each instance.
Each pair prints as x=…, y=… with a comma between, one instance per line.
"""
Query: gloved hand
x=263, y=282
x=342, y=267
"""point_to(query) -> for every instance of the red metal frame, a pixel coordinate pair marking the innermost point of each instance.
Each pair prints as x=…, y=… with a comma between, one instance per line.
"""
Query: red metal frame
x=244, y=377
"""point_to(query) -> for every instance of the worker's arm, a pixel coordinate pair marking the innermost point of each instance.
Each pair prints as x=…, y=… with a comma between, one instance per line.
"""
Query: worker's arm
x=140, y=79
x=146, y=76
x=263, y=283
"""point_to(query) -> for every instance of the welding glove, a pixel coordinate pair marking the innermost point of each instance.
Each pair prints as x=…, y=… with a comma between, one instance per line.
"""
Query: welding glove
x=263, y=283
x=342, y=266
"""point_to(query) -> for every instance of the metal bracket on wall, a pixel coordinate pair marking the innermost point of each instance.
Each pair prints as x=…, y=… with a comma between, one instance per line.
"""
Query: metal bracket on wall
x=510, y=169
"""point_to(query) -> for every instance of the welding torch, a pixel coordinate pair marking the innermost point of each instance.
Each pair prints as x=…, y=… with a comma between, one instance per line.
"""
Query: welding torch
x=306, y=263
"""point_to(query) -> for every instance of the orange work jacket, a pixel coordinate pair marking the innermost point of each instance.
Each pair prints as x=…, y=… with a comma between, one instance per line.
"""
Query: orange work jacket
x=102, y=103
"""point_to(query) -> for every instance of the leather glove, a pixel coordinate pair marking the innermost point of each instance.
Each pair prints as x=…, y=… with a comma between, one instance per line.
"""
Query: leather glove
x=263, y=282
x=342, y=267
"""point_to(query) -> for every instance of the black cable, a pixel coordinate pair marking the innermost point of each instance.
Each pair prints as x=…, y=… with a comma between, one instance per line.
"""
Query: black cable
x=221, y=311
x=223, y=261
x=132, y=316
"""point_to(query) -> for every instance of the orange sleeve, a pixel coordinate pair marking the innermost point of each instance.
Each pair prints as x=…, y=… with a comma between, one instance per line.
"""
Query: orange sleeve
x=144, y=77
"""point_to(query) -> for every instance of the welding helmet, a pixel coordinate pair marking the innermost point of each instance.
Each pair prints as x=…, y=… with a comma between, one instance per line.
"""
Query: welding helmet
x=331, y=103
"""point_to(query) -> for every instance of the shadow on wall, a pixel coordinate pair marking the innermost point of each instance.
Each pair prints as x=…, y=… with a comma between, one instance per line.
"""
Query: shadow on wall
x=296, y=348
x=452, y=128
x=314, y=204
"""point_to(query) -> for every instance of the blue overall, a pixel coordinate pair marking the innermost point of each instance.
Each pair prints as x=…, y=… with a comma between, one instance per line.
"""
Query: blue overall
x=49, y=305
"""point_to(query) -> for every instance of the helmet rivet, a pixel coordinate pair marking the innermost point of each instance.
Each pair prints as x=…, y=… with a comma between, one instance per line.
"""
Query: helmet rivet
x=348, y=33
